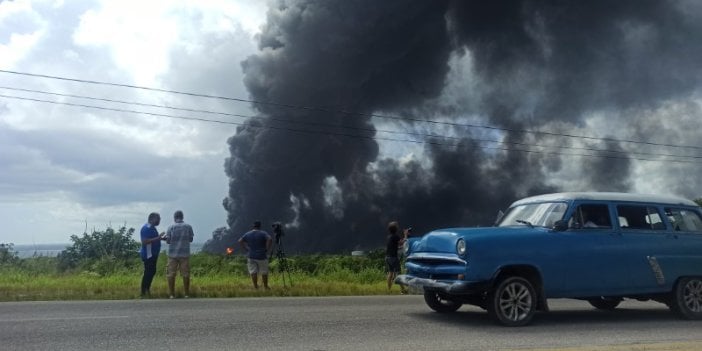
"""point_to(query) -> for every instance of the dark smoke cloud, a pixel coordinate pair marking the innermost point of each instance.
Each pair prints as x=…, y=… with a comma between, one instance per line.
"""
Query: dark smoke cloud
x=537, y=65
x=589, y=54
x=609, y=171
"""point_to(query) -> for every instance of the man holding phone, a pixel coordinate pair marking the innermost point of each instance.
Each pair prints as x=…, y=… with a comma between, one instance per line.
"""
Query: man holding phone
x=150, y=248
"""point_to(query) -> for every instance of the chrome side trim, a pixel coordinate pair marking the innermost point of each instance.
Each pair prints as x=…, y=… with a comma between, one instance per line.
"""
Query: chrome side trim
x=657, y=270
x=428, y=256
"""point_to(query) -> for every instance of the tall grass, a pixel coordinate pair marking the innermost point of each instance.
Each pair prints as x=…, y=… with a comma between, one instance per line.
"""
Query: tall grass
x=211, y=276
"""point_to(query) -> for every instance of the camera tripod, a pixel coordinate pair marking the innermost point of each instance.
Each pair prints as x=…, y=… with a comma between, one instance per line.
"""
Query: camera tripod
x=282, y=260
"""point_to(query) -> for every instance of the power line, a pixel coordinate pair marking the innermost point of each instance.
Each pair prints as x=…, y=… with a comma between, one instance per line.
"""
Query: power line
x=353, y=113
x=430, y=142
x=372, y=130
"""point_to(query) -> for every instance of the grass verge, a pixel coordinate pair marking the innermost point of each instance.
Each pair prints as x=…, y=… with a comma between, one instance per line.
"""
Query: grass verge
x=211, y=276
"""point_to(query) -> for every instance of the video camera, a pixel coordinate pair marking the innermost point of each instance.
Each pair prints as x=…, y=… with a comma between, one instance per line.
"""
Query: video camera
x=280, y=253
x=278, y=231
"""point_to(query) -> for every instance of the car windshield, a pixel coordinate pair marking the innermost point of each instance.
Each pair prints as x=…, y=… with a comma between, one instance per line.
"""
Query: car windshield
x=543, y=214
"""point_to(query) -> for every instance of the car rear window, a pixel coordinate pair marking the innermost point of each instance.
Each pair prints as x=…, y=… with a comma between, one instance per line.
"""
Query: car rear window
x=639, y=217
x=684, y=220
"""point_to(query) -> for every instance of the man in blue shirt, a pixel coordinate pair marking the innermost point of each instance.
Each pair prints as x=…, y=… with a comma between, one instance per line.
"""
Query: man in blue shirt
x=150, y=248
x=257, y=243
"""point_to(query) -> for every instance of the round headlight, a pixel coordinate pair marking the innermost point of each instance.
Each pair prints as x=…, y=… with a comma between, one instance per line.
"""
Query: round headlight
x=461, y=247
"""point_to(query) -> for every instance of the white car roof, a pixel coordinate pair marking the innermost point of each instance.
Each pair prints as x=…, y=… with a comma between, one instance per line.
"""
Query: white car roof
x=605, y=196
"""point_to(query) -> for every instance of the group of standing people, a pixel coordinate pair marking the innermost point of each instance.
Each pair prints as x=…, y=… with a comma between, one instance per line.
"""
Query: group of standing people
x=256, y=242
x=178, y=237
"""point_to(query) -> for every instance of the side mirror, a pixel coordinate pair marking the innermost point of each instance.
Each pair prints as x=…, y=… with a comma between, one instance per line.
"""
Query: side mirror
x=560, y=225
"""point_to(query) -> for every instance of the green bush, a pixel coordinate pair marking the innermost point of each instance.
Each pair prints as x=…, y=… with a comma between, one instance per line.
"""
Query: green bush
x=102, y=252
x=8, y=255
x=38, y=265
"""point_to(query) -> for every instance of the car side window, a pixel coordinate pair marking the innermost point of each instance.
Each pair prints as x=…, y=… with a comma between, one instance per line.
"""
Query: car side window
x=589, y=216
x=684, y=220
x=639, y=217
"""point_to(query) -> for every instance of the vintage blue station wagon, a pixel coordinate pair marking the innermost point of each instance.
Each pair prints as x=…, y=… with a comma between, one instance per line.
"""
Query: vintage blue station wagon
x=599, y=247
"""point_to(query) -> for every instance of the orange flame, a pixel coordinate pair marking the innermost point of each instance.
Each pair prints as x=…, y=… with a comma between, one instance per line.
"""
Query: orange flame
x=230, y=251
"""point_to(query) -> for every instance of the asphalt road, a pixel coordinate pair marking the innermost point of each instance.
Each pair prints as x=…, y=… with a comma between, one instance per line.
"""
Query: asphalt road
x=330, y=323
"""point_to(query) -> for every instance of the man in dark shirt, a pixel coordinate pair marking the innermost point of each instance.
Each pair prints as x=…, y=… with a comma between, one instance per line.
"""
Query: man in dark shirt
x=393, y=243
x=257, y=243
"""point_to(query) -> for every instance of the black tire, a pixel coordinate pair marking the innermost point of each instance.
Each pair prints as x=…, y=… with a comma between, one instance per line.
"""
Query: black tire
x=440, y=304
x=513, y=302
x=687, y=298
x=604, y=303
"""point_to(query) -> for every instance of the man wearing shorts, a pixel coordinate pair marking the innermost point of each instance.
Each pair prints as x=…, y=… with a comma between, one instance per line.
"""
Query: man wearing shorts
x=257, y=243
x=179, y=236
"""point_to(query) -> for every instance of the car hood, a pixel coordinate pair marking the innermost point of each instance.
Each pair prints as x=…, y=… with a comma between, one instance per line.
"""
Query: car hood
x=444, y=240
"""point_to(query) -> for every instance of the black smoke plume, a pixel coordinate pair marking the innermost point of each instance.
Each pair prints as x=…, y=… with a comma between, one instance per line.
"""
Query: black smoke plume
x=536, y=65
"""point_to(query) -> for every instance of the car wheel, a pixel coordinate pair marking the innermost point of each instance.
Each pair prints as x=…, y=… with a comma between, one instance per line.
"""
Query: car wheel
x=440, y=304
x=513, y=302
x=687, y=298
x=605, y=304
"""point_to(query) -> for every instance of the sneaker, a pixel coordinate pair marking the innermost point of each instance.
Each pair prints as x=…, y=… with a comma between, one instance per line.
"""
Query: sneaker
x=186, y=297
x=171, y=297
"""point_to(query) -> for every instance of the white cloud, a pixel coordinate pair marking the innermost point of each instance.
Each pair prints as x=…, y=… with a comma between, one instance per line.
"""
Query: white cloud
x=18, y=44
x=141, y=34
x=17, y=48
x=64, y=165
x=138, y=34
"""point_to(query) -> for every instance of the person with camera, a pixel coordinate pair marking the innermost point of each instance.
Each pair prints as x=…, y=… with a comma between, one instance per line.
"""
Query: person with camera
x=257, y=243
x=150, y=248
x=393, y=243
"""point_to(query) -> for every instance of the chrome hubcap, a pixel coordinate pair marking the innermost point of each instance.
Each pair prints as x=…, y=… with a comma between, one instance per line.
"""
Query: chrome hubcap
x=692, y=295
x=515, y=302
x=443, y=301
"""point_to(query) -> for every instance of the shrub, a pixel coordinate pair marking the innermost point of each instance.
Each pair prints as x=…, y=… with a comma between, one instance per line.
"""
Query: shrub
x=102, y=251
x=38, y=265
x=8, y=255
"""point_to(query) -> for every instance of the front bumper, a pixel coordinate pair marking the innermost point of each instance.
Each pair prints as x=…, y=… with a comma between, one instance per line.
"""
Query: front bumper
x=452, y=287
